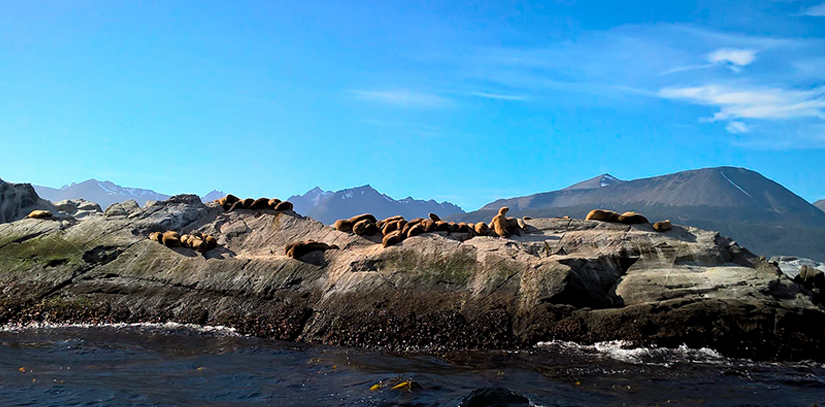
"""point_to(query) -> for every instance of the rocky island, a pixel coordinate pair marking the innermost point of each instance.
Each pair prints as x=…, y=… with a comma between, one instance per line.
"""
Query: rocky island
x=561, y=279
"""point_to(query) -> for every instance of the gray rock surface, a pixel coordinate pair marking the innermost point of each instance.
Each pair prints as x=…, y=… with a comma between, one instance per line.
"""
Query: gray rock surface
x=565, y=279
x=18, y=200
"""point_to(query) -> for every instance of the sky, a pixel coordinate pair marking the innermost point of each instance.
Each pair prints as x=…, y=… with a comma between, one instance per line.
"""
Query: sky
x=460, y=101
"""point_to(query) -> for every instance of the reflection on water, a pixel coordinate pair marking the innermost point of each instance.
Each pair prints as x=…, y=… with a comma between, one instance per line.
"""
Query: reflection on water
x=179, y=365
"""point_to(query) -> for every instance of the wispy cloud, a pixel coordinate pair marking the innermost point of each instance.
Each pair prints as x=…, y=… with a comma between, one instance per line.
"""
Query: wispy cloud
x=732, y=58
x=814, y=11
x=498, y=96
x=404, y=98
x=753, y=103
x=737, y=127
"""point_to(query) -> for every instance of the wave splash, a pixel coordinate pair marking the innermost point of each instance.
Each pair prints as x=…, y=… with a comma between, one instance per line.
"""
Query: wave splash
x=624, y=351
x=155, y=327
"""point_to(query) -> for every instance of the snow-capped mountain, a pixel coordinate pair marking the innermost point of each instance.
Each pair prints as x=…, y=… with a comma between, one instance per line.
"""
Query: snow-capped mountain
x=104, y=193
x=328, y=206
x=215, y=194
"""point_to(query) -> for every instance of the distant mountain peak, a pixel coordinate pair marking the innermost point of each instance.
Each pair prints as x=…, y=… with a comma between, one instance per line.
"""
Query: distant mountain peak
x=103, y=193
x=599, y=181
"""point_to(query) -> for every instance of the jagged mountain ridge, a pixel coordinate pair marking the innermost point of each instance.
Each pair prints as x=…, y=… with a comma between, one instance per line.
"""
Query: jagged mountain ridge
x=106, y=193
x=758, y=212
x=328, y=206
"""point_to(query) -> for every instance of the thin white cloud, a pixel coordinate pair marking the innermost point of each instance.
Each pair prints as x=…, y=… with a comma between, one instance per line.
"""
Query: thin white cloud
x=731, y=56
x=814, y=11
x=753, y=103
x=404, y=98
x=737, y=127
x=498, y=96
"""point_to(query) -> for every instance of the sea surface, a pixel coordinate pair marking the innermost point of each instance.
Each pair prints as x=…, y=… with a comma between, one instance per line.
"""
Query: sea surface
x=171, y=364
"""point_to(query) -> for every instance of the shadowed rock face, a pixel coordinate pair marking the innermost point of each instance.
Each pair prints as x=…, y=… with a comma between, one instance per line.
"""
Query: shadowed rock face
x=577, y=280
x=17, y=200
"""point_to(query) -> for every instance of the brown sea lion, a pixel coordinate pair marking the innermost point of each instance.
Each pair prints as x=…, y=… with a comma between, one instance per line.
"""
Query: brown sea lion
x=184, y=240
x=453, y=227
x=464, y=228
x=662, y=226
x=155, y=236
x=211, y=242
x=416, y=220
x=364, y=227
x=393, y=226
x=171, y=239
x=499, y=222
x=236, y=205
x=632, y=218
x=247, y=203
x=441, y=226
x=299, y=249
x=197, y=244
x=227, y=201
x=392, y=238
x=273, y=203
x=384, y=222
x=428, y=225
x=415, y=230
x=260, y=203
x=284, y=206
x=345, y=225
x=481, y=229
x=39, y=214
x=433, y=216
x=604, y=215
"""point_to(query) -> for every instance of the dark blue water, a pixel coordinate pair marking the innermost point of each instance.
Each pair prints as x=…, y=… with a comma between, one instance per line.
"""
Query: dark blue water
x=171, y=365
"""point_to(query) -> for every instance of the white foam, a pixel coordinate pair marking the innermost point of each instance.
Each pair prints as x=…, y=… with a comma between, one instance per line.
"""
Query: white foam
x=623, y=351
x=207, y=329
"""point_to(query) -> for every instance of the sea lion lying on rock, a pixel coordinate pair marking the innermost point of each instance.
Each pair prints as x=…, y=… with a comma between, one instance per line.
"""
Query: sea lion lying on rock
x=345, y=225
x=481, y=229
x=231, y=202
x=392, y=238
x=227, y=201
x=299, y=249
x=284, y=206
x=364, y=227
x=604, y=215
x=632, y=218
x=260, y=203
x=434, y=217
x=171, y=239
x=391, y=219
x=662, y=226
x=39, y=214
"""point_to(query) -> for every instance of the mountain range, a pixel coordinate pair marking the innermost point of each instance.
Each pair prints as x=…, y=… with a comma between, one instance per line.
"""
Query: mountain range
x=328, y=206
x=106, y=193
x=759, y=213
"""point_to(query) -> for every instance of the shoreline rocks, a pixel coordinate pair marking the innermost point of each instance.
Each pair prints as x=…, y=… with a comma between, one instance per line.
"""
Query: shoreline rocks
x=563, y=279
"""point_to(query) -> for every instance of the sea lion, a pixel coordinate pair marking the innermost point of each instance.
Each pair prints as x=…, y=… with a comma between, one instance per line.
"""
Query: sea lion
x=171, y=239
x=247, y=203
x=39, y=214
x=364, y=227
x=345, y=225
x=184, y=240
x=392, y=238
x=441, y=226
x=211, y=242
x=393, y=226
x=604, y=215
x=384, y=222
x=155, y=236
x=227, y=201
x=433, y=216
x=632, y=218
x=197, y=244
x=428, y=225
x=499, y=222
x=415, y=230
x=481, y=228
x=273, y=202
x=298, y=249
x=260, y=203
x=236, y=205
x=284, y=206
x=453, y=227
x=464, y=228
x=662, y=226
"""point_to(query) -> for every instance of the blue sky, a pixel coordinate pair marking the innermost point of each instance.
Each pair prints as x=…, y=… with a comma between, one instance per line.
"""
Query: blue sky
x=466, y=102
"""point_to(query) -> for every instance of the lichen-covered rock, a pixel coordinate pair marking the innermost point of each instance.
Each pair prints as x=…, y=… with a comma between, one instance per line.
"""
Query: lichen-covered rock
x=561, y=279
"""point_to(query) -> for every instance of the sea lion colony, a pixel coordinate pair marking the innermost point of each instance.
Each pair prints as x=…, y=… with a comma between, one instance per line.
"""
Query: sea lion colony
x=394, y=229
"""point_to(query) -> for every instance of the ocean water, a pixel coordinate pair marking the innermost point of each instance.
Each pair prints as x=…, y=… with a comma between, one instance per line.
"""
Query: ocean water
x=170, y=365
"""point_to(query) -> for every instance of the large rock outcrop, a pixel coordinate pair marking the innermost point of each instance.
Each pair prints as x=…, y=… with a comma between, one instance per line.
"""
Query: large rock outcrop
x=17, y=200
x=565, y=279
